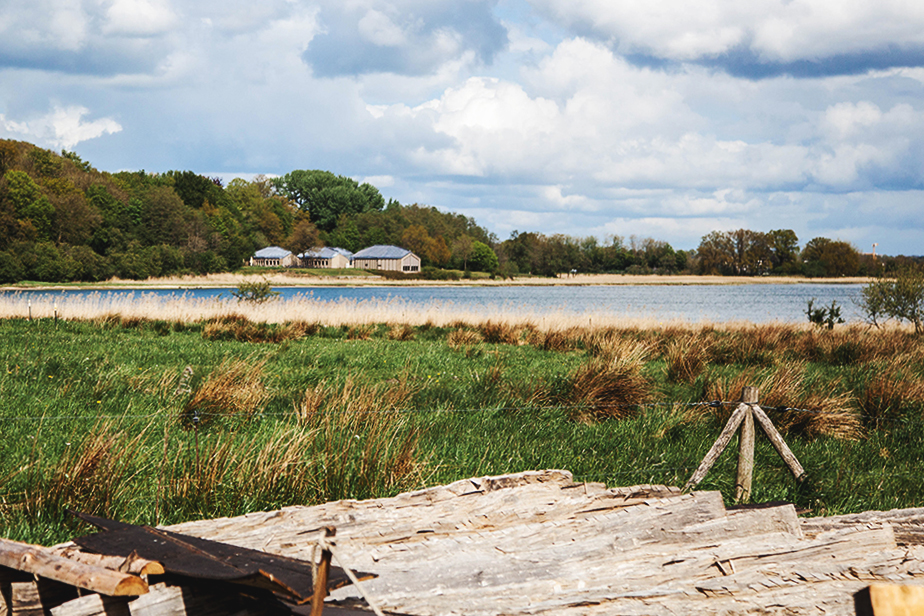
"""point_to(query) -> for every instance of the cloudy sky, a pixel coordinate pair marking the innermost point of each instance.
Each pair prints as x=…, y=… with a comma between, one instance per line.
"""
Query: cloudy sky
x=661, y=118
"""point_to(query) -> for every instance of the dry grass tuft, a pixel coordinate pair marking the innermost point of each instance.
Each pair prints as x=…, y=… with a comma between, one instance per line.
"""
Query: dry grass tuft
x=237, y=327
x=686, y=357
x=832, y=413
x=555, y=340
x=233, y=390
x=499, y=332
x=403, y=333
x=460, y=339
x=93, y=476
x=366, y=442
x=362, y=331
x=890, y=389
x=612, y=385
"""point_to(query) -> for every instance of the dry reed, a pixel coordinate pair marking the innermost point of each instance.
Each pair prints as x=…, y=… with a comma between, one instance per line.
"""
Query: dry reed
x=365, y=442
x=686, y=357
x=234, y=389
x=890, y=389
x=611, y=385
x=830, y=413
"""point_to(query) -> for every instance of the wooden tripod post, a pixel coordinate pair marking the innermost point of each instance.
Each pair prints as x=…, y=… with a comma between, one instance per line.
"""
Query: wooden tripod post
x=746, y=447
x=744, y=416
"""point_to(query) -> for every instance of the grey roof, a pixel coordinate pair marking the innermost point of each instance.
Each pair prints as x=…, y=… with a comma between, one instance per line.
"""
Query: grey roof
x=326, y=253
x=382, y=252
x=271, y=252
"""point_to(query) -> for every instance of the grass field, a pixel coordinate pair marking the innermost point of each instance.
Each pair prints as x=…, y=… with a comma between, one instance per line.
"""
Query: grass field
x=191, y=416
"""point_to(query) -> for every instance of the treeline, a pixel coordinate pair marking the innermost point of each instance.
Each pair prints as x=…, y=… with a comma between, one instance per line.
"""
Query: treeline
x=725, y=253
x=62, y=220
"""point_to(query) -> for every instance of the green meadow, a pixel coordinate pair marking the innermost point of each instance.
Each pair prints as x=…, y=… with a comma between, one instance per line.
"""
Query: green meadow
x=159, y=422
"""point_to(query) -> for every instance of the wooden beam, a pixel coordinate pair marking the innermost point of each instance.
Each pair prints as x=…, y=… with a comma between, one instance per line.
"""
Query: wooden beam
x=746, y=448
x=778, y=443
x=896, y=599
x=42, y=562
x=131, y=564
x=718, y=447
x=320, y=584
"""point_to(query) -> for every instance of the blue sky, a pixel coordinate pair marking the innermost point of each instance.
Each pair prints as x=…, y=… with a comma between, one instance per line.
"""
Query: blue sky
x=667, y=118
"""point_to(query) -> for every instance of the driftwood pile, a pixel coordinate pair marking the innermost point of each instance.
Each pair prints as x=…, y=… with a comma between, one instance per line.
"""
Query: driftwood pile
x=538, y=543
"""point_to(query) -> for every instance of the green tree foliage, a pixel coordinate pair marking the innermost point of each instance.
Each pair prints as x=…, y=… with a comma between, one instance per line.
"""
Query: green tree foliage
x=825, y=257
x=483, y=258
x=900, y=297
x=326, y=197
x=744, y=252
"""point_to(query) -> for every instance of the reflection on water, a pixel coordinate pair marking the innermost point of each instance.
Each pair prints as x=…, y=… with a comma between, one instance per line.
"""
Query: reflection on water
x=756, y=303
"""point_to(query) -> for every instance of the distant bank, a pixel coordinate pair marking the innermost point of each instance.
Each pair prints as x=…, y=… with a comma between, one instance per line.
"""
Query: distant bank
x=298, y=279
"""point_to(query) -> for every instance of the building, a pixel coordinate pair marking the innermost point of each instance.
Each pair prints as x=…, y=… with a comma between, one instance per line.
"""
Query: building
x=273, y=256
x=388, y=258
x=327, y=258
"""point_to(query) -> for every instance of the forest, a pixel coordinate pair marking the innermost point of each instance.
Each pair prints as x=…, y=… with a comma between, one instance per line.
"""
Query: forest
x=61, y=220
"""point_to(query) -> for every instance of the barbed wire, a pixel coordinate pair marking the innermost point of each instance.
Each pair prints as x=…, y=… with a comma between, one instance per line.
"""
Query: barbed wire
x=714, y=404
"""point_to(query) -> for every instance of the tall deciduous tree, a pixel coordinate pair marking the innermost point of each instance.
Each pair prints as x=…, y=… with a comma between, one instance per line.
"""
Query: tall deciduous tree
x=326, y=197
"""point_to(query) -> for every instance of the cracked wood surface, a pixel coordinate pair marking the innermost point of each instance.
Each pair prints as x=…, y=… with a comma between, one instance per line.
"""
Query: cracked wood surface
x=537, y=543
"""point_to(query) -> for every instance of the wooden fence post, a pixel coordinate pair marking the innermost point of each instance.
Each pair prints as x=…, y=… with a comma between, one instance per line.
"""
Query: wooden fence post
x=746, y=413
x=746, y=447
x=320, y=582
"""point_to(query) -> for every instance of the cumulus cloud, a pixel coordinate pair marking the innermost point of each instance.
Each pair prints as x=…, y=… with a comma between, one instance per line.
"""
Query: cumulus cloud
x=138, y=18
x=760, y=37
x=63, y=127
x=406, y=37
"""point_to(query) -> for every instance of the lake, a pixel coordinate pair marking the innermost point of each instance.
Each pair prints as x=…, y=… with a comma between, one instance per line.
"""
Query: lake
x=757, y=303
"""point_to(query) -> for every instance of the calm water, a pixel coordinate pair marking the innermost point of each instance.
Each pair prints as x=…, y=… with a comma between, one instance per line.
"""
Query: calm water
x=757, y=303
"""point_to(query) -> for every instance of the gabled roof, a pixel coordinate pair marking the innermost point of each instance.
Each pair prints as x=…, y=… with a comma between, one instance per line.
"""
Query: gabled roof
x=382, y=252
x=271, y=252
x=327, y=252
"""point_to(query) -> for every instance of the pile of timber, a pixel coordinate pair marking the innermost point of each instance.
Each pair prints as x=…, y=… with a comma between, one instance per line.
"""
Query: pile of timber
x=530, y=543
x=538, y=543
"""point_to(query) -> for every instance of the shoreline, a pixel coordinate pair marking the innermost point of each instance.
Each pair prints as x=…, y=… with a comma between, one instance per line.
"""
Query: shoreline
x=286, y=279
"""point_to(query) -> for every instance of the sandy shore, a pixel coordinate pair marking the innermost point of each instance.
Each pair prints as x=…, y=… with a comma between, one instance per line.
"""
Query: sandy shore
x=297, y=279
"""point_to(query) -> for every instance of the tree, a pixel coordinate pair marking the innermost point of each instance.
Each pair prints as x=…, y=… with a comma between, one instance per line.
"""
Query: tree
x=784, y=246
x=825, y=257
x=483, y=258
x=304, y=237
x=326, y=197
x=898, y=297
x=462, y=249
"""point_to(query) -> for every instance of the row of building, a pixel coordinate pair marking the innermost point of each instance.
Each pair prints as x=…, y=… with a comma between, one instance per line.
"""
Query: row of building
x=378, y=257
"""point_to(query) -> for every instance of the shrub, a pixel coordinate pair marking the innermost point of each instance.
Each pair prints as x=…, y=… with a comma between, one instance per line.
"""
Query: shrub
x=901, y=298
x=255, y=292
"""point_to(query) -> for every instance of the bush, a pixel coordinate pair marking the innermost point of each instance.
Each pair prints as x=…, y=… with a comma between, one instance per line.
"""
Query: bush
x=255, y=292
x=901, y=298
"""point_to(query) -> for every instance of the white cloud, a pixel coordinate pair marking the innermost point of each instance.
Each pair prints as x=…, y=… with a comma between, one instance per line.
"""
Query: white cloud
x=138, y=18
x=377, y=28
x=775, y=30
x=63, y=127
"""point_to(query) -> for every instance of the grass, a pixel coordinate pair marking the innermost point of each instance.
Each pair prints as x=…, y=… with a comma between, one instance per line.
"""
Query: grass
x=161, y=421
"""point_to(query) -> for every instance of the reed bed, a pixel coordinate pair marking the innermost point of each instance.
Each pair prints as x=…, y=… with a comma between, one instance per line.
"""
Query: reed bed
x=499, y=322
x=295, y=406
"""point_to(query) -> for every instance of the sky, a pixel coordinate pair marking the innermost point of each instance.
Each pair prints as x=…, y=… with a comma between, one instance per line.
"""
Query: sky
x=655, y=118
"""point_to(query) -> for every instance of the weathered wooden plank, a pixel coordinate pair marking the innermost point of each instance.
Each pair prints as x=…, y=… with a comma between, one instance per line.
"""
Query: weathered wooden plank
x=166, y=600
x=204, y=559
x=718, y=447
x=93, y=605
x=41, y=561
x=25, y=599
x=778, y=443
x=896, y=599
x=745, y=473
x=130, y=564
